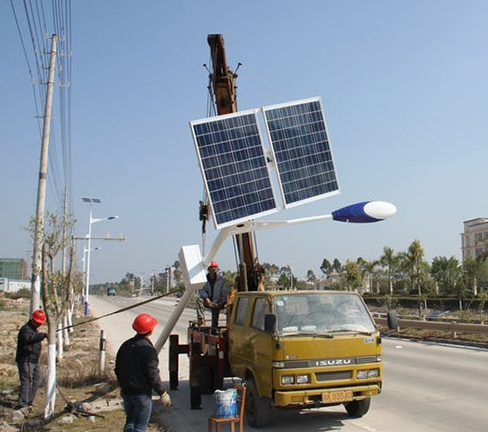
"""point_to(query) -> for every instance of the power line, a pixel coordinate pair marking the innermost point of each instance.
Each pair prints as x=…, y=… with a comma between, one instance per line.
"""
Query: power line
x=36, y=24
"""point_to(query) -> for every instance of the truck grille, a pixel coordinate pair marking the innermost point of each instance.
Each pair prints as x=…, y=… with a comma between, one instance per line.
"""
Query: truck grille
x=332, y=376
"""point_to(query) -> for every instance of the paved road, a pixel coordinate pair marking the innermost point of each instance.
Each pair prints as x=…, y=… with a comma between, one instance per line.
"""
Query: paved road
x=427, y=387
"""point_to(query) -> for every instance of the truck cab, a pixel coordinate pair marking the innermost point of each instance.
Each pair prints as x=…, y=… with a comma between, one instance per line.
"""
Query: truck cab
x=304, y=349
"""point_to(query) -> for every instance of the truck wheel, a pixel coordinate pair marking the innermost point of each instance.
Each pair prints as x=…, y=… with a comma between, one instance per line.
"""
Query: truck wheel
x=358, y=408
x=257, y=408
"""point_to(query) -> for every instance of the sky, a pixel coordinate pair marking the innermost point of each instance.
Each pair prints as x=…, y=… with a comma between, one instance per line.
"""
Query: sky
x=403, y=86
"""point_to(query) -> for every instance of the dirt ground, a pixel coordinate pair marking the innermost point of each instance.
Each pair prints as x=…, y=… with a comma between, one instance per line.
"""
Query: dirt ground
x=85, y=400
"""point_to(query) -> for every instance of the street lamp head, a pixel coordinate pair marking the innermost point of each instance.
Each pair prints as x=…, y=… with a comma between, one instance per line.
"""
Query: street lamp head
x=365, y=212
x=93, y=220
x=85, y=249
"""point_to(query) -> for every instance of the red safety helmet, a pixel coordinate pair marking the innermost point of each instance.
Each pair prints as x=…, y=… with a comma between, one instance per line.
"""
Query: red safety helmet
x=39, y=317
x=213, y=264
x=144, y=323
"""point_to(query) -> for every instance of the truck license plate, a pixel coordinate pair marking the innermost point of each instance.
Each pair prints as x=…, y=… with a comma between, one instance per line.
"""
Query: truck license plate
x=337, y=396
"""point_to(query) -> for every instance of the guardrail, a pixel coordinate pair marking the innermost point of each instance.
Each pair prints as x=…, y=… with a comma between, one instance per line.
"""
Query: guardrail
x=435, y=325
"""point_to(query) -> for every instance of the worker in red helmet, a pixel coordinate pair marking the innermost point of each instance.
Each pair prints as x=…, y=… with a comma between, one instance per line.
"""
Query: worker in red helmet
x=137, y=371
x=212, y=296
x=27, y=357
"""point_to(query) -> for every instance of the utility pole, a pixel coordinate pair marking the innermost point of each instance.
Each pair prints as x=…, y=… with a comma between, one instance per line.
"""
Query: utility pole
x=41, y=190
x=168, y=278
x=65, y=237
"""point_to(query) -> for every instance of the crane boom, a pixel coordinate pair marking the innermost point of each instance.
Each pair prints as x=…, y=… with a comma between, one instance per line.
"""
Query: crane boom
x=222, y=80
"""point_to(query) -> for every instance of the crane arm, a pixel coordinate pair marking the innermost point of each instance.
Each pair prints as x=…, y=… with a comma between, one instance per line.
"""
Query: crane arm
x=223, y=85
x=222, y=78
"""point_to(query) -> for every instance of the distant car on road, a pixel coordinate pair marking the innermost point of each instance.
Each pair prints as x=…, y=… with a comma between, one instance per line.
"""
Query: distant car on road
x=436, y=314
x=110, y=291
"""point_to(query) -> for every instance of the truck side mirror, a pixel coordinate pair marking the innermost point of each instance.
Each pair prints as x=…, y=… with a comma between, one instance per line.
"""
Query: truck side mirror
x=270, y=323
x=392, y=320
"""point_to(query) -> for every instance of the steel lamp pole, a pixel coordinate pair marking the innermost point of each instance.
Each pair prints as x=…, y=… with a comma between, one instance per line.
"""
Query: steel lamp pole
x=91, y=221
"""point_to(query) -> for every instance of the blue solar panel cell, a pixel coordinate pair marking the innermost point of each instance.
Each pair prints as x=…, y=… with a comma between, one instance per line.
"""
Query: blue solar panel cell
x=302, y=154
x=234, y=167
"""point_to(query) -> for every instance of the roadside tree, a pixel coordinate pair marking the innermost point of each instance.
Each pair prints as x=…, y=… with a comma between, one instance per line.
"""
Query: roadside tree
x=446, y=273
x=57, y=292
x=390, y=260
x=352, y=276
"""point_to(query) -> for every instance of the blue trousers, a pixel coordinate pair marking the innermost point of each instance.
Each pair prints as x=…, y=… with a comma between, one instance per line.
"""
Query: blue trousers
x=30, y=378
x=137, y=412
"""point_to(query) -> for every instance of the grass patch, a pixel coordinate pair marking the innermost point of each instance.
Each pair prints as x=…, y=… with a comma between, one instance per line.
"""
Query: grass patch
x=23, y=293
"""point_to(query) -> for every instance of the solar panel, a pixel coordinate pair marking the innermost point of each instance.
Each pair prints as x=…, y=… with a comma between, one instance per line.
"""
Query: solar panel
x=234, y=167
x=91, y=200
x=302, y=154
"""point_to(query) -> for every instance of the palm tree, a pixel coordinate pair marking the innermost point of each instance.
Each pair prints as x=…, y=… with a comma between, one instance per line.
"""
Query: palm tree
x=389, y=260
x=367, y=269
x=413, y=261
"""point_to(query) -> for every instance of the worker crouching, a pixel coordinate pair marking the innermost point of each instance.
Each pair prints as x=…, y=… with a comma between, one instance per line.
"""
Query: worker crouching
x=212, y=296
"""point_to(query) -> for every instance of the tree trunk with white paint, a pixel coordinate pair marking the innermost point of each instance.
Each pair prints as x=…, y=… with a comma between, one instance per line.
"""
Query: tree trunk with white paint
x=50, y=399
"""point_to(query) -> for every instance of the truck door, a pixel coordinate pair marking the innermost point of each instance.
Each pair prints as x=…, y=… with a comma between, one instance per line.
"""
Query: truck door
x=259, y=348
x=237, y=336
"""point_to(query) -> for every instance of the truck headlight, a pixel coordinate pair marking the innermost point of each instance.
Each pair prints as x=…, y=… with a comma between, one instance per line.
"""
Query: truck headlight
x=369, y=373
x=287, y=379
x=302, y=379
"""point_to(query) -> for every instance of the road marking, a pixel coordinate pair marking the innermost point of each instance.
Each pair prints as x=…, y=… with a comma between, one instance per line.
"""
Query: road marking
x=365, y=427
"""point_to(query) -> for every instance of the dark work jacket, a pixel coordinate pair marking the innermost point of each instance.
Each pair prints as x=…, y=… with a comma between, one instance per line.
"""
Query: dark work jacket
x=216, y=293
x=29, y=344
x=136, y=367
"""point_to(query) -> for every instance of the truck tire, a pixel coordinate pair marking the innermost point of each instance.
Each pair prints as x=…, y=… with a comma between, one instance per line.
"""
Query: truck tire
x=358, y=408
x=257, y=408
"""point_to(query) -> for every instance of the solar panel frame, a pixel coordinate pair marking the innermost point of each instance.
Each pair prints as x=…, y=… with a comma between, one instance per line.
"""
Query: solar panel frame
x=301, y=151
x=234, y=168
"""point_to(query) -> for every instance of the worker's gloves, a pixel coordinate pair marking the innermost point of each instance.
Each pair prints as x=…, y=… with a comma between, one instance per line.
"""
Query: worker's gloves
x=165, y=399
x=213, y=305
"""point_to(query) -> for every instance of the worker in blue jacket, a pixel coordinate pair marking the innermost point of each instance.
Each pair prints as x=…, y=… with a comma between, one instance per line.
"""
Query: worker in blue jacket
x=212, y=296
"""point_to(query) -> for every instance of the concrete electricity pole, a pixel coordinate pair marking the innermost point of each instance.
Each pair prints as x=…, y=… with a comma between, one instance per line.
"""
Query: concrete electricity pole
x=41, y=190
x=65, y=234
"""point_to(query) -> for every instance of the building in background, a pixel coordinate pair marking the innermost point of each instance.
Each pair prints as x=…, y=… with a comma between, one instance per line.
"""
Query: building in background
x=13, y=268
x=475, y=237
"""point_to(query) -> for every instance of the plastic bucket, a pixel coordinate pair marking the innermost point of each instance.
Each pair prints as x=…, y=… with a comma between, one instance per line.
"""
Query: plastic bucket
x=225, y=403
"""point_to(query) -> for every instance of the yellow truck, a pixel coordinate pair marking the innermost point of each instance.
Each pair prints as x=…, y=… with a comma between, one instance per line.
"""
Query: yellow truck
x=304, y=349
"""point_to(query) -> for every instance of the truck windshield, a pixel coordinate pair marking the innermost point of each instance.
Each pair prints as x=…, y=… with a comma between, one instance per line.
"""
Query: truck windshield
x=321, y=313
